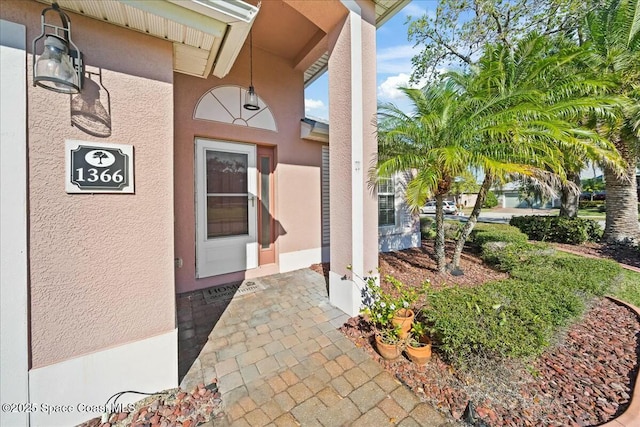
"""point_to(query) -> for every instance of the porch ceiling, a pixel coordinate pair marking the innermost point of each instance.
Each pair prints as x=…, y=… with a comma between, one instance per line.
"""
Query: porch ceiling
x=207, y=35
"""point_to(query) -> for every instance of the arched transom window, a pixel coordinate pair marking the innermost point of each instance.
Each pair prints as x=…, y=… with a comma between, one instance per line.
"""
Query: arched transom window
x=224, y=104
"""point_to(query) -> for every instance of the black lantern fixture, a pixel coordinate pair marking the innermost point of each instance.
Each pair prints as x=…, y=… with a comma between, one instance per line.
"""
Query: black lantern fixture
x=58, y=68
x=250, y=98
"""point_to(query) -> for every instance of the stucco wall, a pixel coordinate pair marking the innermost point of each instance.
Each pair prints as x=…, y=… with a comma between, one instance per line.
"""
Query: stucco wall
x=345, y=132
x=341, y=163
x=370, y=143
x=298, y=162
x=101, y=266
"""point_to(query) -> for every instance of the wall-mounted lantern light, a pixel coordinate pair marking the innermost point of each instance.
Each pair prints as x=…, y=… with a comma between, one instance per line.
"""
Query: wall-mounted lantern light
x=251, y=99
x=58, y=68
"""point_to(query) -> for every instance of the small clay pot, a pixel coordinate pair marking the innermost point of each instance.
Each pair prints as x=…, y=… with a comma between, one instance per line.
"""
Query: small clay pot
x=388, y=351
x=403, y=319
x=420, y=355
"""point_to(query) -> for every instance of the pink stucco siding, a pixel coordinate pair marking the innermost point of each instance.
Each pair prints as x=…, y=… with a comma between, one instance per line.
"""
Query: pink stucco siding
x=298, y=162
x=370, y=144
x=101, y=266
x=348, y=45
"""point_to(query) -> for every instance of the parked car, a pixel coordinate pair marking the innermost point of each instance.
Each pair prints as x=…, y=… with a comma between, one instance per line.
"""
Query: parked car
x=600, y=195
x=448, y=207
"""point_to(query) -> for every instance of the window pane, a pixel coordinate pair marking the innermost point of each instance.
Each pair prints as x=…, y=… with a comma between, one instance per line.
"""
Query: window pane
x=385, y=186
x=226, y=172
x=265, y=217
x=386, y=210
x=227, y=216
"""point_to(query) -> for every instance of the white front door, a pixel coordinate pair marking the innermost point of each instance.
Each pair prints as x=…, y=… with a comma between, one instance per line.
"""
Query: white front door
x=226, y=207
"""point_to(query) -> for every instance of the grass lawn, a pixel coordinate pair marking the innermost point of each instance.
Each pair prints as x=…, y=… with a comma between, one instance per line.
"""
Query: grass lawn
x=591, y=213
x=628, y=289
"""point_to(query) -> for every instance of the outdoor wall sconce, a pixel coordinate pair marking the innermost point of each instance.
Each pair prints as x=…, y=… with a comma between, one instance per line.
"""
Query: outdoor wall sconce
x=250, y=98
x=58, y=68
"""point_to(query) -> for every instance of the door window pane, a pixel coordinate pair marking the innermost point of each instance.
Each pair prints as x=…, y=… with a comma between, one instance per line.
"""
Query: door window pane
x=227, y=216
x=227, y=197
x=226, y=172
x=265, y=216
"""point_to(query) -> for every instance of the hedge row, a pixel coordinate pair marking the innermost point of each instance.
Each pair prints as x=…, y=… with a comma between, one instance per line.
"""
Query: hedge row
x=558, y=229
x=483, y=233
x=601, y=205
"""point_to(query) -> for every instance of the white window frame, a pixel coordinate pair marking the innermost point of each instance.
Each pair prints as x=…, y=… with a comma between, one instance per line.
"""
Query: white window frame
x=387, y=193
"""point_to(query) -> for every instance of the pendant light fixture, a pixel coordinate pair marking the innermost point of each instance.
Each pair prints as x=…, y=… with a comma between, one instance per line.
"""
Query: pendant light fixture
x=250, y=98
x=58, y=68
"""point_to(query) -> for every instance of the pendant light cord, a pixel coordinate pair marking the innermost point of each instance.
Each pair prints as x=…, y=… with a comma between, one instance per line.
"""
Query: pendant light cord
x=251, y=56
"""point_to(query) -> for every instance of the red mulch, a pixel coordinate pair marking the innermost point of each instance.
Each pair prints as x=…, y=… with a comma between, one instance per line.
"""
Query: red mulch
x=414, y=266
x=585, y=379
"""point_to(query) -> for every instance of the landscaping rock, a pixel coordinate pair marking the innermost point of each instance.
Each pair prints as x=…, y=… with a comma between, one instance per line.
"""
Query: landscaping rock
x=170, y=408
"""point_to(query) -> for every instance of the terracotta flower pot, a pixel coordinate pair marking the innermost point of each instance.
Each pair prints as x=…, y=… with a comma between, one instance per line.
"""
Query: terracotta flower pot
x=388, y=351
x=420, y=355
x=403, y=319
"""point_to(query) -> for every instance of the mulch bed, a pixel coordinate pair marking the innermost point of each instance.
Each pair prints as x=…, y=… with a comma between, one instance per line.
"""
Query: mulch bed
x=585, y=379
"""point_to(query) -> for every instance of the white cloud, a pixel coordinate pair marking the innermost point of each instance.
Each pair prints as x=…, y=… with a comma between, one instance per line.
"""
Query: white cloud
x=315, y=108
x=311, y=104
x=388, y=89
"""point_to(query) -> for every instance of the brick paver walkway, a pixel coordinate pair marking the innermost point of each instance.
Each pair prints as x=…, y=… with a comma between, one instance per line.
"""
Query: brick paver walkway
x=280, y=361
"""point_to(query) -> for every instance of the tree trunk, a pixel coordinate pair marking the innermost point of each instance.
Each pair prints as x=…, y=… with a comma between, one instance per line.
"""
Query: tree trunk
x=471, y=222
x=439, y=243
x=569, y=200
x=622, y=200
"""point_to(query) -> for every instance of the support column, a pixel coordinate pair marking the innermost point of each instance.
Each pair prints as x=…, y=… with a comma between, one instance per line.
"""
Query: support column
x=353, y=149
x=14, y=347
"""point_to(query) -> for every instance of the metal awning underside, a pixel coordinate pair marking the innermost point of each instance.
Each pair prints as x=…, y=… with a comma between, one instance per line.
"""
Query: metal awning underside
x=207, y=35
x=385, y=10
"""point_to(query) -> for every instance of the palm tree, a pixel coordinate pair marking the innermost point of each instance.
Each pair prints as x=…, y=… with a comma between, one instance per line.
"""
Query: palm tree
x=425, y=141
x=495, y=118
x=445, y=135
x=614, y=42
x=542, y=105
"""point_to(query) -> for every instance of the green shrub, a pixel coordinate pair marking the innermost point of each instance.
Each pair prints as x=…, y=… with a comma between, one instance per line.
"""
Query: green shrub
x=601, y=205
x=426, y=227
x=591, y=277
x=484, y=226
x=558, y=229
x=588, y=204
x=517, y=317
x=491, y=201
x=510, y=318
x=452, y=229
x=510, y=236
x=506, y=257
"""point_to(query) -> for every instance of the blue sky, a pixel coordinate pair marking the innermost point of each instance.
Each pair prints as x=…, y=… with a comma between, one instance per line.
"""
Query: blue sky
x=394, y=53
